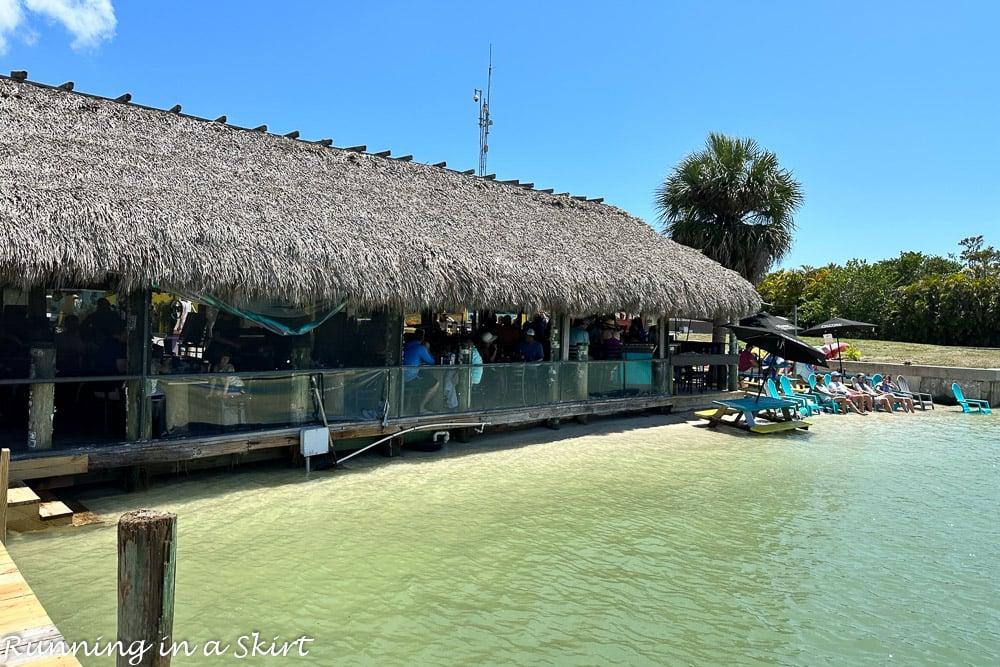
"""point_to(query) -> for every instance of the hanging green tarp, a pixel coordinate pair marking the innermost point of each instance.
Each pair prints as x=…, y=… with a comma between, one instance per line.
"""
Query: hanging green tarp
x=281, y=317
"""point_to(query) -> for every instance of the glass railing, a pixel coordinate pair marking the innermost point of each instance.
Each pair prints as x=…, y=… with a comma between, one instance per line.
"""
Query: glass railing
x=90, y=410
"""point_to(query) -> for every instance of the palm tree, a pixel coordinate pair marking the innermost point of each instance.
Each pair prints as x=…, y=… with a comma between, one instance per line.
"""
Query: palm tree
x=734, y=202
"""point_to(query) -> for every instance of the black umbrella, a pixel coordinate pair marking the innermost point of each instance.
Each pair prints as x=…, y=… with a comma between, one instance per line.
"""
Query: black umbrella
x=778, y=343
x=837, y=326
x=765, y=320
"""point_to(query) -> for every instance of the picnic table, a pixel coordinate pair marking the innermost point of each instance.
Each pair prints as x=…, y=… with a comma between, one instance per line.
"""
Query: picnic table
x=746, y=410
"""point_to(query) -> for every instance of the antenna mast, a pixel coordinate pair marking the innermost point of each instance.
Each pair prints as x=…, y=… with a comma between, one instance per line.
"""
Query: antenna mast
x=484, y=116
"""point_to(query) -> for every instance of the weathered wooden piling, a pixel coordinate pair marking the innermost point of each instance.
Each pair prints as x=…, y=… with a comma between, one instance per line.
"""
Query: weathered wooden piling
x=147, y=546
x=4, y=483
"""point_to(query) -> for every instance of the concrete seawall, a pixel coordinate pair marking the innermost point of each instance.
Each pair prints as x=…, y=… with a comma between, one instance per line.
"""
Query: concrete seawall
x=982, y=383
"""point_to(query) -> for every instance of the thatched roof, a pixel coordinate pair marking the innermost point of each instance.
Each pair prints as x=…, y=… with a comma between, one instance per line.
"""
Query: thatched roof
x=92, y=188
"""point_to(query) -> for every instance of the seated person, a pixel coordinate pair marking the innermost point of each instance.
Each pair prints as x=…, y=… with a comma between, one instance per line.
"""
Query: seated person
x=886, y=386
x=748, y=361
x=878, y=399
x=416, y=354
x=841, y=400
x=861, y=401
x=530, y=349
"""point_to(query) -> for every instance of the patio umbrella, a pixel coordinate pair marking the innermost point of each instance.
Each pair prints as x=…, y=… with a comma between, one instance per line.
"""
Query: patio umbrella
x=786, y=346
x=837, y=326
x=765, y=320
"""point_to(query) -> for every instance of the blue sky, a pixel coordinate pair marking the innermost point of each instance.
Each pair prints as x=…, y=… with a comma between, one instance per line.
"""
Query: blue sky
x=887, y=112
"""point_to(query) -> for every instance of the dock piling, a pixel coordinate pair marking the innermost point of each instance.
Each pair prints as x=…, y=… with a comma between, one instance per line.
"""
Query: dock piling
x=147, y=545
x=4, y=483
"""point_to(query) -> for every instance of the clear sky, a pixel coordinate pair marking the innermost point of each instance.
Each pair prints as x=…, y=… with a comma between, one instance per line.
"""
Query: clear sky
x=887, y=112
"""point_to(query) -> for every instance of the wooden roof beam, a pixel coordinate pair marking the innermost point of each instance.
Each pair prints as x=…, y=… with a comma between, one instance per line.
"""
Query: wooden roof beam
x=404, y=158
x=175, y=109
x=68, y=86
x=294, y=134
x=382, y=154
x=440, y=164
x=357, y=149
x=19, y=75
x=124, y=99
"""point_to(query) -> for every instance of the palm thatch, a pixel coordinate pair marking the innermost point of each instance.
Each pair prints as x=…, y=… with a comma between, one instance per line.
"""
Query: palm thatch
x=93, y=189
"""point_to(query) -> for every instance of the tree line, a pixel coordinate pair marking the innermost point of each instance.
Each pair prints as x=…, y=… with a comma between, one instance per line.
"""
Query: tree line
x=915, y=297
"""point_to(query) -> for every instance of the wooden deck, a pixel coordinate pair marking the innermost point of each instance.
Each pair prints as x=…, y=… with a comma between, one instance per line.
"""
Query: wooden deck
x=77, y=461
x=23, y=617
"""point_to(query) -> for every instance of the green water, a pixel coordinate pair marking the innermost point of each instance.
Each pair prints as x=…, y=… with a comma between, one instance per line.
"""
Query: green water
x=867, y=540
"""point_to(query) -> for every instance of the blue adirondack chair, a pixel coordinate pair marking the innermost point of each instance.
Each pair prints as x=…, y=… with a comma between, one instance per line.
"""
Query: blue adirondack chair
x=876, y=379
x=824, y=402
x=772, y=392
x=805, y=400
x=969, y=404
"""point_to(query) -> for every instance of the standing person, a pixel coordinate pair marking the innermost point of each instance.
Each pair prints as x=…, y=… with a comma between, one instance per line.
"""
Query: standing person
x=488, y=349
x=100, y=325
x=578, y=334
x=415, y=355
x=637, y=331
x=530, y=349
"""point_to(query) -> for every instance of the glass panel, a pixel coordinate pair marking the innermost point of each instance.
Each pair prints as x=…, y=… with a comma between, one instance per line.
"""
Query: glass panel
x=191, y=405
x=605, y=379
x=14, y=416
x=573, y=380
x=359, y=394
x=85, y=327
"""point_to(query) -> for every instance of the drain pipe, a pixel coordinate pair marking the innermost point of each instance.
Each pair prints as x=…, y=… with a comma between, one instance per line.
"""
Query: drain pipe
x=479, y=426
x=444, y=435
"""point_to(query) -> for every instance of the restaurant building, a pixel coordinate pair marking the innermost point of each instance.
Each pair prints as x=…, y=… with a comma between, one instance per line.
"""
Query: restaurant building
x=179, y=288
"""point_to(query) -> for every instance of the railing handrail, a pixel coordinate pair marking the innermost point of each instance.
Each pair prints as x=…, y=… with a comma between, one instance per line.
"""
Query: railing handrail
x=250, y=375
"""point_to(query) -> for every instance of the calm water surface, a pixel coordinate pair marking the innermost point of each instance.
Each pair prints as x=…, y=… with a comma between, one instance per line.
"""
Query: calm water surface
x=870, y=540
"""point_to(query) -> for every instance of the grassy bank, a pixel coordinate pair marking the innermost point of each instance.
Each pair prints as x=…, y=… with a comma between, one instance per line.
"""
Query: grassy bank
x=916, y=353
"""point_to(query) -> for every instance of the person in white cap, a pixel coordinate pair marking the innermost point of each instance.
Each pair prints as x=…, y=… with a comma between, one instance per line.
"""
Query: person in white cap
x=488, y=348
x=530, y=349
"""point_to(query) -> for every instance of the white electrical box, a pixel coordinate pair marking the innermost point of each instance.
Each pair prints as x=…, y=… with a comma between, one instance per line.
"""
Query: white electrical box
x=314, y=441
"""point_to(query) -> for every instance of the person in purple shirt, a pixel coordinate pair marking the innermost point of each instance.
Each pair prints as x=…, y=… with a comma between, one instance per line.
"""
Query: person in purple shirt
x=415, y=355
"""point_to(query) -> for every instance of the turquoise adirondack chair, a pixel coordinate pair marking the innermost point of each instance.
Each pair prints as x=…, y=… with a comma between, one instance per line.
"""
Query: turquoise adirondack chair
x=876, y=379
x=824, y=402
x=805, y=400
x=772, y=391
x=969, y=404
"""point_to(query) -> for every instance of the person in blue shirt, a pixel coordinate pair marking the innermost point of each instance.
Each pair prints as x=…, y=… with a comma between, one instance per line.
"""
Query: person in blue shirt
x=579, y=335
x=415, y=355
x=530, y=349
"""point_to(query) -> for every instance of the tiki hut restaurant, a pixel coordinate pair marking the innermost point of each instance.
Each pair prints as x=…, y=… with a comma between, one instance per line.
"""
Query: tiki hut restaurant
x=178, y=288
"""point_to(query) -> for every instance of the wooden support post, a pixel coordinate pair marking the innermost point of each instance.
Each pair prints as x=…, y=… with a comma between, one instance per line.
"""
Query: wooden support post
x=147, y=548
x=734, y=371
x=138, y=416
x=4, y=482
x=392, y=447
x=41, y=401
x=663, y=331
